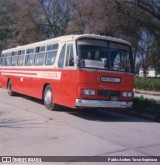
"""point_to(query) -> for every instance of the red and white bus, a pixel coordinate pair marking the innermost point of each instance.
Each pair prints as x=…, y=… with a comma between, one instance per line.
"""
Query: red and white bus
x=77, y=71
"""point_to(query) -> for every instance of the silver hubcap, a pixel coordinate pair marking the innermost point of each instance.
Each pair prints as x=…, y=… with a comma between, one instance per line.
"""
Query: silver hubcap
x=48, y=97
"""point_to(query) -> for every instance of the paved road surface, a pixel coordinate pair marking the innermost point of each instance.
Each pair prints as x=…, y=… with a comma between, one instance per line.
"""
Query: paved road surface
x=28, y=129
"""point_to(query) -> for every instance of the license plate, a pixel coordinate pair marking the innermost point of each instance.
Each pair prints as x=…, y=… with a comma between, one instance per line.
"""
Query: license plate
x=114, y=98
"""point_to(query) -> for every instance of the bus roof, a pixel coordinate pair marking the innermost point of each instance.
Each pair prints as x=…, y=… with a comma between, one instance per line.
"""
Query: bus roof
x=65, y=39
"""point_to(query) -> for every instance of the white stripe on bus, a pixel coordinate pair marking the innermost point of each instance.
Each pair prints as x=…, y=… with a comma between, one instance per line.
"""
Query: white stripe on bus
x=45, y=75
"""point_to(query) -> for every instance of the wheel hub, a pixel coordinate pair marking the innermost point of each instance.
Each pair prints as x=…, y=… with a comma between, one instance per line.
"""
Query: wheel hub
x=48, y=97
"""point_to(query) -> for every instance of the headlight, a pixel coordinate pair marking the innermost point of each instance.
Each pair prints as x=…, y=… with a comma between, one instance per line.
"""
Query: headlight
x=127, y=94
x=88, y=92
x=130, y=94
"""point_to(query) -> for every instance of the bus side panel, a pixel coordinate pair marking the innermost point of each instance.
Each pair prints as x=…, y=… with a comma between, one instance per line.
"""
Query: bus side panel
x=4, y=80
x=67, y=92
x=40, y=84
x=47, y=77
x=25, y=86
x=37, y=87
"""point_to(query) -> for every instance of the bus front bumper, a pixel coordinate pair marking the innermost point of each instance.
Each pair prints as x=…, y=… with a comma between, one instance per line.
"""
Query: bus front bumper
x=103, y=104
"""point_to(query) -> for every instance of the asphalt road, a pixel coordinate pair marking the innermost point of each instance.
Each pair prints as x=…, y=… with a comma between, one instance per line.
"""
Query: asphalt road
x=28, y=129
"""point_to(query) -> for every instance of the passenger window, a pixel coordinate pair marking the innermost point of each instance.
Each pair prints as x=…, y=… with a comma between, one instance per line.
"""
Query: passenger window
x=19, y=52
x=3, y=61
x=39, y=59
x=40, y=54
x=8, y=62
x=50, y=58
x=42, y=49
x=30, y=51
x=14, y=60
x=23, y=52
x=29, y=60
x=61, y=57
x=70, y=56
x=20, y=57
x=52, y=47
x=20, y=60
x=30, y=57
x=51, y=54
x=14, y=53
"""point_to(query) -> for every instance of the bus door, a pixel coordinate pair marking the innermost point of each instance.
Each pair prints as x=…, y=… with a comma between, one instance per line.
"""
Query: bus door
x=68, y=85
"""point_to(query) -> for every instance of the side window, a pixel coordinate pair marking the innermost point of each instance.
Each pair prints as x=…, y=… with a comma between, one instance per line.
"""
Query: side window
x=39, y=58
x=70, y=56
x=51, y=54
x=30, y=57
x=50, y=58
x=3, y=61
x=40, y=54
x=61, y=57
x=21, y=55
x=9, y=59
x=14, y=60
x=21, y=60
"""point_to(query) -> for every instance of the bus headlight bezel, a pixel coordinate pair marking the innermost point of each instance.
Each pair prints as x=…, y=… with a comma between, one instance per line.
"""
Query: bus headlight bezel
x=127, y=94
x=88, y=92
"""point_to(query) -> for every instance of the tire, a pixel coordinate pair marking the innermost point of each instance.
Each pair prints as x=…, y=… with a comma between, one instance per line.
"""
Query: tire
x=9, y=87
x=48, y=96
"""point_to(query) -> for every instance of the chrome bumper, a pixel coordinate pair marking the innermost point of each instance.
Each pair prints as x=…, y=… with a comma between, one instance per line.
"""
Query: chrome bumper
x=103, y=104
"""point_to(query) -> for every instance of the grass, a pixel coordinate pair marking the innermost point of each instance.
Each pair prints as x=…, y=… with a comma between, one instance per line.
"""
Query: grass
x=151, y=84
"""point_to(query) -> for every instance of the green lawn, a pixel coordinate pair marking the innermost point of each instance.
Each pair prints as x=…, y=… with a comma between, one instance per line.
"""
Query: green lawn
x=151, y=84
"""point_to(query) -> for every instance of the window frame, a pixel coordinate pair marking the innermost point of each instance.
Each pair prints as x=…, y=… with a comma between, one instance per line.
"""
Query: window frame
x=63, y=47
x=67, y=56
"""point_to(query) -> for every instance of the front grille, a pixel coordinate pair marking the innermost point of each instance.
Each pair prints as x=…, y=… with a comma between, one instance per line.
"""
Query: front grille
x=108, y=93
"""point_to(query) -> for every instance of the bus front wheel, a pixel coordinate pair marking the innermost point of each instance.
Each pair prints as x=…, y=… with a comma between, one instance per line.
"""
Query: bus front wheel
x=48, y=95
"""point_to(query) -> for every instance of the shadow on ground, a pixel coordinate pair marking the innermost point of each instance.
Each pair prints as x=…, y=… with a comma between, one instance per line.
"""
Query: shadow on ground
x=103, y=115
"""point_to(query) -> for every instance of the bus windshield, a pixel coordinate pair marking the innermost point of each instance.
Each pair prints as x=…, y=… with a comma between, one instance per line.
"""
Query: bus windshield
x=106, y=55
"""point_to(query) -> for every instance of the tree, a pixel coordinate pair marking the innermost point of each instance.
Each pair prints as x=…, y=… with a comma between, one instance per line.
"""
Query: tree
x=56, y=16
x=145, y=51
x=6, y=22
x=28, y=22
x=137, y=10
x=155, y=60
x=106, y=17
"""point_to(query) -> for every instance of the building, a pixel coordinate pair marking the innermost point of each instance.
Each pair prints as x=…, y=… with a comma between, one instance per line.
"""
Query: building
x=151, y=72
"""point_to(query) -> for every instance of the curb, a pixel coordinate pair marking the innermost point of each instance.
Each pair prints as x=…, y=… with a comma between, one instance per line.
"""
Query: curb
x=154, y=93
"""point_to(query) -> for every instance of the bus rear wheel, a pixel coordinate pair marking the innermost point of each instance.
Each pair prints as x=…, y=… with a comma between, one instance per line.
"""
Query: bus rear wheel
x=9, y=87
x=48, y=96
